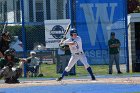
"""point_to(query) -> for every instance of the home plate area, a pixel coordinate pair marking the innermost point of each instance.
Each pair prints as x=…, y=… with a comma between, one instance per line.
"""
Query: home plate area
x=46, y=82
x=100, y=85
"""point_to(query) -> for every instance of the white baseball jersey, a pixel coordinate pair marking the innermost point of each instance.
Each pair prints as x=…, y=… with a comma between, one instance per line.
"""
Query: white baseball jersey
x=77, y=48
x=77, y=53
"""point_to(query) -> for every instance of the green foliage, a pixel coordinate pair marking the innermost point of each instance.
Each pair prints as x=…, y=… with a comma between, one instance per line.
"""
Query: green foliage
x=14, y=30
x=34, y=33
x=133, y=6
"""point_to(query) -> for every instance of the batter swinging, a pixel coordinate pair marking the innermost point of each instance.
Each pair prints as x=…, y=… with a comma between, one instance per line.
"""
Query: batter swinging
x=75, y=45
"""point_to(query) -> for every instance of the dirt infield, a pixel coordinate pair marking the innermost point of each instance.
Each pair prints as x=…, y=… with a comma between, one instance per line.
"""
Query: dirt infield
x=117, y=80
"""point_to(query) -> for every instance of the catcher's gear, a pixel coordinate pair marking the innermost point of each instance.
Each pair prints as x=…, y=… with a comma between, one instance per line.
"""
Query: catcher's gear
x=73, y=31
x=10, y=81
x=1, y=73
x=10, y=75
x=4, y=71
x=8, y=53
x=12, y=50
x=32, y=52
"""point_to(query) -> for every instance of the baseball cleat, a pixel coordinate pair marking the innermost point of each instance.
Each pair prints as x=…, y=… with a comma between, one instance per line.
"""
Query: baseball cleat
x=110, y=73
x=93, y=78
x=119, y=72
x=59, y=79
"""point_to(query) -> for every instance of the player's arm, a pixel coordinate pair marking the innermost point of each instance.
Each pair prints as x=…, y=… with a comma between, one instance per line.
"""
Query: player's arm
x=71, y=43
x=68, y=43
x=110, y=44
x=22, y=60
x=118, y=43
x=65, y=42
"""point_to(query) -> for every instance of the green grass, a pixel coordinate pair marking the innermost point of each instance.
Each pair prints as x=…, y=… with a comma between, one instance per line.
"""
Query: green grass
x=49, y=71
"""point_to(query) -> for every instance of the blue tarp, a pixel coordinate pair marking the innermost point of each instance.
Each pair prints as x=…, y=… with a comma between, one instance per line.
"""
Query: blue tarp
x=95, y=20
x=76, y=88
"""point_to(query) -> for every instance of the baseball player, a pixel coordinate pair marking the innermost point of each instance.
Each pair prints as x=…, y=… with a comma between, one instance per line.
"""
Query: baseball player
x=33, y=63
x=75, y=45
x=8, y=67
x=5, y=40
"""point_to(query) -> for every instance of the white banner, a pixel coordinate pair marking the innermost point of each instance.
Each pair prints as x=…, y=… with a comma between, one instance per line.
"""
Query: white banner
x=54, y=31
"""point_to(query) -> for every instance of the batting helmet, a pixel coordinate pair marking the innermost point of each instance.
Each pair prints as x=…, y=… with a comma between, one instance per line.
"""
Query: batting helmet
x=73, y=31
x=12, y=49
x=8, y=53
x=32, y=52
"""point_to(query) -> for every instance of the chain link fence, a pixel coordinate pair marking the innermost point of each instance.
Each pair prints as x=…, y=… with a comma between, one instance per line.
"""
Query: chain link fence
x=24, y=19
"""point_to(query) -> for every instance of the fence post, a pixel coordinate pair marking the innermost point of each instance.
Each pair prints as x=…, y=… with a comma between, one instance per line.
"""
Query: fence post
x=126, y=28
x=23, y=35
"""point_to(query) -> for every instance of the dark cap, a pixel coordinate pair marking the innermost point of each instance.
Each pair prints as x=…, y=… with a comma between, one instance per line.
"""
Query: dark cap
x=5, y=33
x=112, y=34
x=73, y=31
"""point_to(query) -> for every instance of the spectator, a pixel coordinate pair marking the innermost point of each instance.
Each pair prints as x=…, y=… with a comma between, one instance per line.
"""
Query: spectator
x=114, y=45
x=33, y=63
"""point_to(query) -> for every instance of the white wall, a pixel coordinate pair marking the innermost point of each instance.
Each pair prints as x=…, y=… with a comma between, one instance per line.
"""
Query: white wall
x=53, y=10
x=10, y=14
x=26, y=10
x=132, y=18
x=53, y=6
x=64, y=8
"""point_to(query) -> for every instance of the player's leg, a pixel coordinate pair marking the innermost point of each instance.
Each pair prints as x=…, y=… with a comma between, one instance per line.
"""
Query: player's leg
x=7, y=75
x=36, y=70
x=83, y=59
x=1, y=73
x=116, y=57
x=13, y=75
x=71, y=63
x=111, y=59
x=18, y=72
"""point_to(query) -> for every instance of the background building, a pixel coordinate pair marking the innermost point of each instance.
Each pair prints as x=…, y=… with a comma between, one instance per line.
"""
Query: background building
x=34, y=10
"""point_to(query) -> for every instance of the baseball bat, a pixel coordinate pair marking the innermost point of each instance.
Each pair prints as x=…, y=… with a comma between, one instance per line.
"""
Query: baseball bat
x=66, y=31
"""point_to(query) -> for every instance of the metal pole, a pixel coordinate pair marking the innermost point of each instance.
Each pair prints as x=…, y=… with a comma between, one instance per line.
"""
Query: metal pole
x=23, y=35
x=71, y=12
x=126, y=30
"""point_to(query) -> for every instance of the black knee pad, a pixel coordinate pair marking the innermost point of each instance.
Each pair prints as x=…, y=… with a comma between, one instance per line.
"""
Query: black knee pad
x=1, y=73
